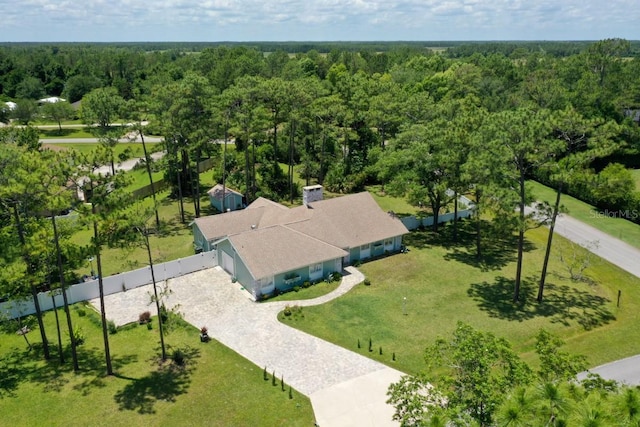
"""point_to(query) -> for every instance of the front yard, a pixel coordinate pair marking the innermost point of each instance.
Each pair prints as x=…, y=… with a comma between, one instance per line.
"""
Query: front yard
x=443, y=283
x=216, y=386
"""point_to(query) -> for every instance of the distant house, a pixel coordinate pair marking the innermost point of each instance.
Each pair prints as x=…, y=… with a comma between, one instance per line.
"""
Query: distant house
x=268, y=247
x=233, y=200
x=633, y=114
x=50, y=100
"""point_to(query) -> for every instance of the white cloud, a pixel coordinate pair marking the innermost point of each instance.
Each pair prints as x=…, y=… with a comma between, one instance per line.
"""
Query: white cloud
x=49, y=20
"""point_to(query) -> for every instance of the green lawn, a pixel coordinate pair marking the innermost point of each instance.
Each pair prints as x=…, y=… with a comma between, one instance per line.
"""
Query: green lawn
x=624, y=230
x=314, y=291
x=443, y=283
x=216, y=387
x=51, y=133
x=387, y=203
x=135, y=148
x=636, y=177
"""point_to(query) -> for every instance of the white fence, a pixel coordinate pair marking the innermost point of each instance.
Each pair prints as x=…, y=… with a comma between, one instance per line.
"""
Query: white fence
x=413, y=222
x=113, y=284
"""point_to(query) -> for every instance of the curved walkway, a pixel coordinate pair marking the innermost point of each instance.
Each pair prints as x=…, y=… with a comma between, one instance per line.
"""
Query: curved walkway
x=345, y=388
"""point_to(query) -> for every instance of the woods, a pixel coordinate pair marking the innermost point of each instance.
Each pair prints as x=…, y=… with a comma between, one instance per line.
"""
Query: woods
x=425, y=124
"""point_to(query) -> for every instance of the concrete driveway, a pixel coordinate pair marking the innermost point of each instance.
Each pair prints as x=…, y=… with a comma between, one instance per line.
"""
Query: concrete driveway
x=345, y=388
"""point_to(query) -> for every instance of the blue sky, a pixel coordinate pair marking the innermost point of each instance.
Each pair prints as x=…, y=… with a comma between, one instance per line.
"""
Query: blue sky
x=283, y=20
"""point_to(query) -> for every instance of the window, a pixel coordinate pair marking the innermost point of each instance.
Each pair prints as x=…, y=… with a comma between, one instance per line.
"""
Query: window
x=315, y=268
x=364, y=247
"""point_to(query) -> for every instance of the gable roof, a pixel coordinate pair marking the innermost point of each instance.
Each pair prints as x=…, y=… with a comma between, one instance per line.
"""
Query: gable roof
x=217, y=190
x=271, y=238
x=278, y=249
x=215, y=227
x=346, y=221
x=350, y=221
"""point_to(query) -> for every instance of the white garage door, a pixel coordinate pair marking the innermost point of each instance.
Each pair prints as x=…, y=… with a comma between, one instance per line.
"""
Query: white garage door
x=227, y=263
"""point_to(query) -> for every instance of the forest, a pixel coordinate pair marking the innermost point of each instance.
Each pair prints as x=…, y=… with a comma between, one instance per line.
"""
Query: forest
x=422, y=121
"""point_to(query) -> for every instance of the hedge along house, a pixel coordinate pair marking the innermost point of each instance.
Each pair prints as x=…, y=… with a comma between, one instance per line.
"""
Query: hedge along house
x=232, y=199
x=268, y=247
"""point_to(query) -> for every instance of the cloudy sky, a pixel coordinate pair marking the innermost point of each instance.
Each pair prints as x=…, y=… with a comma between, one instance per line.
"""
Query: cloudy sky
x=282, y=20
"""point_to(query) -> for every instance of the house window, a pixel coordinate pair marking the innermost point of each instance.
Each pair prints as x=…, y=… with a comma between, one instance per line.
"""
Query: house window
x=364, y=247
x=388, y=242
x=315, y=268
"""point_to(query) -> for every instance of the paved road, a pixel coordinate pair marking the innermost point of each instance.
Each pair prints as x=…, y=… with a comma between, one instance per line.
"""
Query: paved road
x=608, y=247
x=625, y=371
x=345, y=388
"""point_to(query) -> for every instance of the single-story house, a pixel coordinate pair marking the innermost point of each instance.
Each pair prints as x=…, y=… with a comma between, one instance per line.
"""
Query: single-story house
x=233, y=200
x=268, y=247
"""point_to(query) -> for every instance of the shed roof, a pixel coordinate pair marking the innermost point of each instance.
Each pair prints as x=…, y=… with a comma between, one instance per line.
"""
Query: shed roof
x=217, y=190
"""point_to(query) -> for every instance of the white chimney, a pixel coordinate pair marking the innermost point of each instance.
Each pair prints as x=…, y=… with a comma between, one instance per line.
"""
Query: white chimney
x=311, y=193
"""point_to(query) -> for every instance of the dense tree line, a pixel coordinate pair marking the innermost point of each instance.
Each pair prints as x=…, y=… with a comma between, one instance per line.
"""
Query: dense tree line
x=423, y=124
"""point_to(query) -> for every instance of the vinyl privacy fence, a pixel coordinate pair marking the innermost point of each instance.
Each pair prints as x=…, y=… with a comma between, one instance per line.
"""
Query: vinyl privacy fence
x=117, y=283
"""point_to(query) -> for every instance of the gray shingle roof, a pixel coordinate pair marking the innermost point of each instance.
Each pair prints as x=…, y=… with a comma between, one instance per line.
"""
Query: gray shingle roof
x=350, y=221
x=216, y=191
x=272, y=238
x=278, y=249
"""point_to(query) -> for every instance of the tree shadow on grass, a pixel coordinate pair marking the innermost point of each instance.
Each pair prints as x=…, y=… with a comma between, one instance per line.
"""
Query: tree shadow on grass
x=21, y=365
x=498, y=250
x=166, y=383
x=93, y=368
x=562, y=304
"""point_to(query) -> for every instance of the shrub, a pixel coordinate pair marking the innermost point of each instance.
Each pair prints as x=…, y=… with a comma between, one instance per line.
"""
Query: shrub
x=287, y=310
x=367, y=282
x=149, y=326
x=306, y=284
x=296, y=288
x=144, y=317
x=81, y=312
x=164, y=313
x=78, y=336
x=111, y=326
x=178, y=357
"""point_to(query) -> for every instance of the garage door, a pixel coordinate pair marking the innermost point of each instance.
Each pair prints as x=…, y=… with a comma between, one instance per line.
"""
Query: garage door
x=227, y=263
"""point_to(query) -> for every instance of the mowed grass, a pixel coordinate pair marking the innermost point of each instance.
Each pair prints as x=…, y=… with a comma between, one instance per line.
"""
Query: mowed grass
x=620, y=228
x=314, y=291
x=134, y=149
x=216, y=387
x=636, y=177
x=443, y=284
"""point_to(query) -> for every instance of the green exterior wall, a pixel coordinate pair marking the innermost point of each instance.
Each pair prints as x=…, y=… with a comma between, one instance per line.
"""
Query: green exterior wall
x=199, y=241
x=233, y=202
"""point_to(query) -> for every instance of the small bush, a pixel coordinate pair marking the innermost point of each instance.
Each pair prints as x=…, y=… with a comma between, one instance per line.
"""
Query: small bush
x=144, y=317
x=164, y=313
x=149, y=326
x=367, y=282
x=111, y=326
x=81, y=312
x=287, y=310
x=178, y=357
x=78, y=336
x=296, y=288
x=306, y=284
